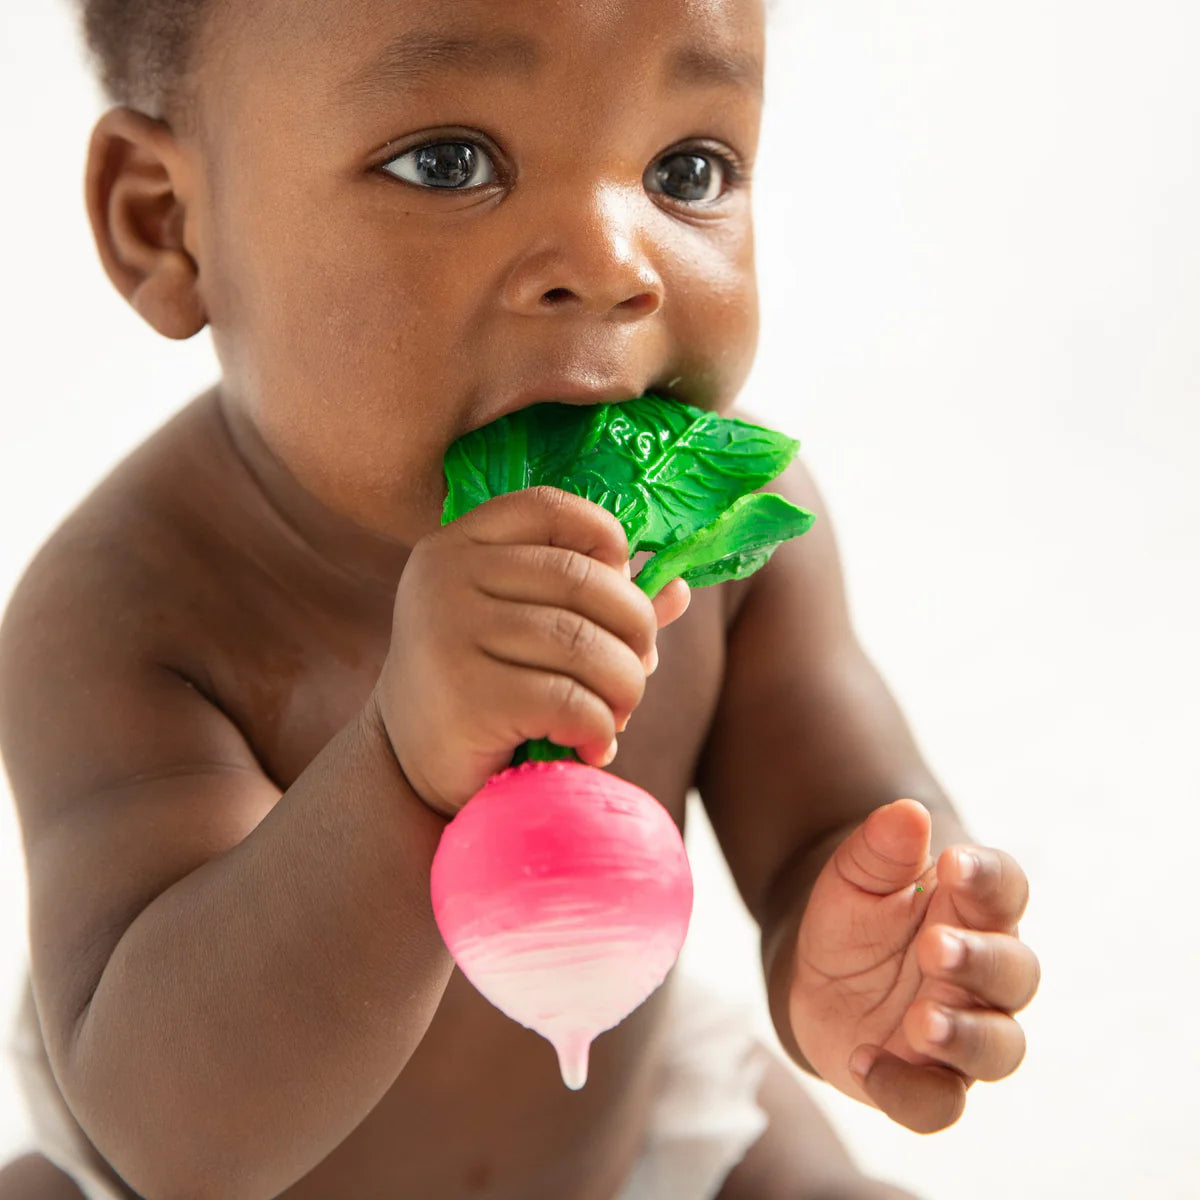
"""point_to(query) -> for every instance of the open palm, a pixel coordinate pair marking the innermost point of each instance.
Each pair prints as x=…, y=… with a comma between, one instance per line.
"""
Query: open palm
x=907, y=972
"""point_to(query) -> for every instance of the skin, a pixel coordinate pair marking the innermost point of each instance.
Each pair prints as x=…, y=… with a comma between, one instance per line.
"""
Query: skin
x=362, y=324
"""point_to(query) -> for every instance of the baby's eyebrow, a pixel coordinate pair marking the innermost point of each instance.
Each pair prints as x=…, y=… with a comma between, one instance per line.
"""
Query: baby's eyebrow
x=416, y=56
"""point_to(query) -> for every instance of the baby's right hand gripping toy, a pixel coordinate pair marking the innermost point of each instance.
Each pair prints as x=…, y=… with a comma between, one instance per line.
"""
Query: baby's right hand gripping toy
x=563, y=892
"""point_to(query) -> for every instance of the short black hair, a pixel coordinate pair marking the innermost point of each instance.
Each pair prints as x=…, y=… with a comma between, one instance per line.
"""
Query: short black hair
x=143, y=51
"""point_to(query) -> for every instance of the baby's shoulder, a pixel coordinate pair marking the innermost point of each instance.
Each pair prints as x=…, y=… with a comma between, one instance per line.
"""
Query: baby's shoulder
x=160, y=579
x=116, y=566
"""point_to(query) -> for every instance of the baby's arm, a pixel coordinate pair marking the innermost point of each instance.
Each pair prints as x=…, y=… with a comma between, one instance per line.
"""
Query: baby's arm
x=806, y=744
x=807, y=740
x=228, y=979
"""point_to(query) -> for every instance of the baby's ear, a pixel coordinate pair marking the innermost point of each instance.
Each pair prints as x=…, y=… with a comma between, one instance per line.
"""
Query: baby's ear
x=137, y=188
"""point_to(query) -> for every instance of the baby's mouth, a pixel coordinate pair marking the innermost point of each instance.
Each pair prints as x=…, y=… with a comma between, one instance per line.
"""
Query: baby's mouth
x=566, y=392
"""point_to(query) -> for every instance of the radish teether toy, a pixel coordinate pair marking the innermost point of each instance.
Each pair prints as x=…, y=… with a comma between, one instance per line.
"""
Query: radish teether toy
x=564, y=895
x=562, y=891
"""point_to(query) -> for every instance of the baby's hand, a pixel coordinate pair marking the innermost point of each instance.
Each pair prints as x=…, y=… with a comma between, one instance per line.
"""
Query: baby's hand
x=516, y=621
x=907, y=972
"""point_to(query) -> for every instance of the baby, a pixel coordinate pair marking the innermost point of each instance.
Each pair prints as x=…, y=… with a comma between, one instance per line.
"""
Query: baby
x=248, y=681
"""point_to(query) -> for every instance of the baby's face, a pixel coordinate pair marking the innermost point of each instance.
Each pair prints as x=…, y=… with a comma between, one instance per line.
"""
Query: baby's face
x=404, y=236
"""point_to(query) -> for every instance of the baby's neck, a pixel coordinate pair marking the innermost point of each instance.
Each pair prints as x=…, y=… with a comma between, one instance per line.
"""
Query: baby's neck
x=361, y=557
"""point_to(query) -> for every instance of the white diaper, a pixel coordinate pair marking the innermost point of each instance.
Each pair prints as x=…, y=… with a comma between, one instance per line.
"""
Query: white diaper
x=706, y=1115
x=704, y=1120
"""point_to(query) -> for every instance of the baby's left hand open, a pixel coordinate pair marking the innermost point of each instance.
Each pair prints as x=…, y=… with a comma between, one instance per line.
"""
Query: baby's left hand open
x=907, y=972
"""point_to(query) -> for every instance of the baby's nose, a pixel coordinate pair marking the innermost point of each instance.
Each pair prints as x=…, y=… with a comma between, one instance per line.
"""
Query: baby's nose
x=589, y=255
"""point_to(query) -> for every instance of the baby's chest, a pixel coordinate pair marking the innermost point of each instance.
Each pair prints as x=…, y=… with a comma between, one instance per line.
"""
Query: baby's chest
x=290, y=681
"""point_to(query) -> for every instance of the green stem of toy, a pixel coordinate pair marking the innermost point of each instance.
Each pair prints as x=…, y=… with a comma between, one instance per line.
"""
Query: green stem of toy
x=542, y=750
x=649, y=583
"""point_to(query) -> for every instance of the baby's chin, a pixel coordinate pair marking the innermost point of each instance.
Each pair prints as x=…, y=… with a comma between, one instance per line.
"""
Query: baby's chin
x=414, y=508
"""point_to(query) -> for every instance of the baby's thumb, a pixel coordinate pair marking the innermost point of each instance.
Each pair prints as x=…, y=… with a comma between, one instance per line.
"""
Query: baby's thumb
x=889, y=850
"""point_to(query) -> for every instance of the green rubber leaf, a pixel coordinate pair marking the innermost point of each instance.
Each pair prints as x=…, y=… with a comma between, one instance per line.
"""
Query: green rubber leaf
x=735, y=545
x=520, y=450
x=663, y=468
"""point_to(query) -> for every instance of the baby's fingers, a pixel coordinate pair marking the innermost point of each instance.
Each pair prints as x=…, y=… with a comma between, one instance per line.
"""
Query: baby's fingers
x=996, y=969
x=923, y=1099
x=672, y=602
x=980, y=1042
x=988, y=887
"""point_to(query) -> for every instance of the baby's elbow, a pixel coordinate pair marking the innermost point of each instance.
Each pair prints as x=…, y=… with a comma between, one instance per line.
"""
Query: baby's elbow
x=165, y=1151
x=163, y=1173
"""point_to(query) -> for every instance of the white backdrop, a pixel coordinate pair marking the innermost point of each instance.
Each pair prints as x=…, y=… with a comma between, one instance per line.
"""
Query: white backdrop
x=980, y=264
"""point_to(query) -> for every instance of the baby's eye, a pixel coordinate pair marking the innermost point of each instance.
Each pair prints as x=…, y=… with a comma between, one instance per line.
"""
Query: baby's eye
x=445, y=165
x=688, y=175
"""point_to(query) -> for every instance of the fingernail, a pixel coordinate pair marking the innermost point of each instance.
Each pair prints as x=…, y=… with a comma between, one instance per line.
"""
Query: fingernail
x=628, y=570
x=621, y=727
x=610, y=753
x=938, y=1026
x=953, y=951
x=652, y=666
x=968, y=865
x=861, y=1062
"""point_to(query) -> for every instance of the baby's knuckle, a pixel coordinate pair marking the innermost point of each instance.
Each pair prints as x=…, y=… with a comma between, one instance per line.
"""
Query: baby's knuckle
x=931, y=948
x=979, y=1038
x=562, y=693
x=489, y=618
x=982, y=960
x=916, y=1020
x=609, y=529
x=620, y=539
x=573, y=633
x=529, y=561
x=546, y=496
x=577, y=570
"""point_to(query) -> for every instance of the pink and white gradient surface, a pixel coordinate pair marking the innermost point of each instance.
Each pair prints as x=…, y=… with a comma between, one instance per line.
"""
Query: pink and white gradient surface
x=564, y=895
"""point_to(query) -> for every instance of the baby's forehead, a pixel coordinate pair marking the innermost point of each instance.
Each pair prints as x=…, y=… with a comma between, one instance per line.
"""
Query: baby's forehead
x=324, y=79
x=352, y=43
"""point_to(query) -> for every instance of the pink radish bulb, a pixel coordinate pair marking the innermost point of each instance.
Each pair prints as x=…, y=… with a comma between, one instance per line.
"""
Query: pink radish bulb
x=564, y=894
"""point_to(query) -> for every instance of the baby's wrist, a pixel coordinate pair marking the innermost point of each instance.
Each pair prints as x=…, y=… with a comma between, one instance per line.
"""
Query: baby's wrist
x=377, y=729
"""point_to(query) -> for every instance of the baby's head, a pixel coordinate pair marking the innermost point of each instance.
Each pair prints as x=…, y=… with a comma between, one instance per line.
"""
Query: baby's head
x=404, y=218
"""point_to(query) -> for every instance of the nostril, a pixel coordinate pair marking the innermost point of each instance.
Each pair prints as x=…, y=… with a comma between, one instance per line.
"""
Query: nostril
x=554, y=295
x=645, y=302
